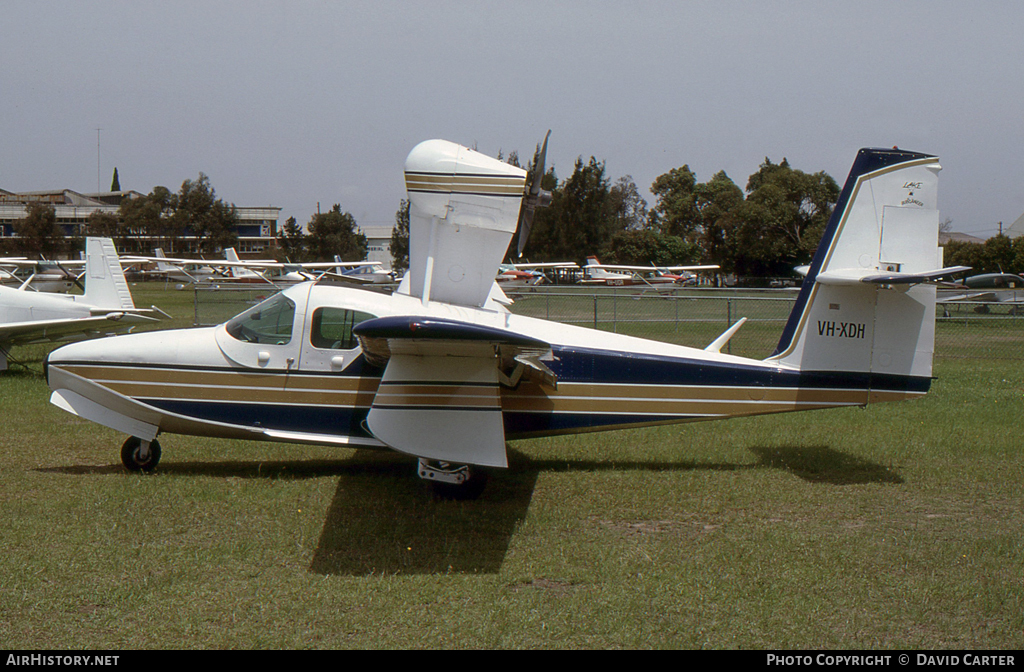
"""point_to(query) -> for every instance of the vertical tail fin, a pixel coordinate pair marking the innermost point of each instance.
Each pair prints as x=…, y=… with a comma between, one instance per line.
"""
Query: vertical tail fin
x=105, y=286
x=163, y=265
x=865, y=307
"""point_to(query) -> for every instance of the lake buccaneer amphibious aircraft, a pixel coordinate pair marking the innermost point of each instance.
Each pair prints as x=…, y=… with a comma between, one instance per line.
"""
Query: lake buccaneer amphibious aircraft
x=442, y=371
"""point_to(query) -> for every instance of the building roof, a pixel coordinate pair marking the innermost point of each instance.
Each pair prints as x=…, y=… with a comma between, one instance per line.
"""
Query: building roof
x=945, y=237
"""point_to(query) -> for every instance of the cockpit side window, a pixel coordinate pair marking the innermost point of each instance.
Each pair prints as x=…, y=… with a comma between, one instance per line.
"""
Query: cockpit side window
x=269, y=322
x=332, y=328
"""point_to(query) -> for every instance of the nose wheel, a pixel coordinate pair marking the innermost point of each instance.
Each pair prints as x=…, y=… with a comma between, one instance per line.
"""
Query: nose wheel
x=140, y=456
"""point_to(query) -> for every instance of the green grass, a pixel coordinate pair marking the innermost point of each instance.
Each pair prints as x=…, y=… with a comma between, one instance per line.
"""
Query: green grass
x=894, y=526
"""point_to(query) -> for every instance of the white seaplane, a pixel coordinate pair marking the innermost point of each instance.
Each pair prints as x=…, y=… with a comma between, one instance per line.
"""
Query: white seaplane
x=105, y=307
x=442, y=371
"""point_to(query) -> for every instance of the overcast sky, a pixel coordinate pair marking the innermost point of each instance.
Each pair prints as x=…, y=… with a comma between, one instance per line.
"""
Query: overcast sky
x=296, y=103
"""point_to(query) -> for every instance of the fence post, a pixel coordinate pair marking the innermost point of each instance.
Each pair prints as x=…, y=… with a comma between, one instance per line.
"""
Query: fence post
x=615, y=311
x=728, y=323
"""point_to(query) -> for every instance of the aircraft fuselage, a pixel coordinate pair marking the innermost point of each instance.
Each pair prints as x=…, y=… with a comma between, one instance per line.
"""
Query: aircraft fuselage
x=294, y=386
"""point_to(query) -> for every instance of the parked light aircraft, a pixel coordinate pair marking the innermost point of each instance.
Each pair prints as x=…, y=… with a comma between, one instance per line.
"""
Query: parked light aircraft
x=43, y=275
x=611, y=274
x=442, y=371
x=530, y=274
x=510, y=276
x=185, y=271
x=1005, y=288
x=364, y=272
x=107, y=306
x=232, y=269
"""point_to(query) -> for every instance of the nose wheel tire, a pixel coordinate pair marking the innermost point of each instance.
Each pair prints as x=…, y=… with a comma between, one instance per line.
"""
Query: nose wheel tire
x=140, y=456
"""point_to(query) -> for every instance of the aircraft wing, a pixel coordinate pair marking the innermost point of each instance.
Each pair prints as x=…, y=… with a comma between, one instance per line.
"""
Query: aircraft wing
x=701, y=267
x=550, y=264
x=651, y=269
x=439, y=397
x=983, y=297
x=39, y=331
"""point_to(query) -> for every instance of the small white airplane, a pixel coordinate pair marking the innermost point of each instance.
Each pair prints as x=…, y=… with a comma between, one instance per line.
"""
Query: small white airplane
x=594, y=272
x=442, y=371
x=530, y=274
x=510, y=276
x=106, y=307
x=43, y=275
x=185, y=271
x=232, y=269
x=362, y=272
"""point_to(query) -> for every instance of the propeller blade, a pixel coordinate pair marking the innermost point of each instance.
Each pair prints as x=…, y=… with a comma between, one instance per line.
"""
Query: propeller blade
x=537, y=197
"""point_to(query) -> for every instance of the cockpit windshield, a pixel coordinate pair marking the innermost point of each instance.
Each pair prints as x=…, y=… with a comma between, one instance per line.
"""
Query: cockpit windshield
x=269, y=322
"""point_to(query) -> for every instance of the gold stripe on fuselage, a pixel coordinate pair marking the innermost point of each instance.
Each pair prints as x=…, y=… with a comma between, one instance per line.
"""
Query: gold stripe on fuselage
x=438, y=395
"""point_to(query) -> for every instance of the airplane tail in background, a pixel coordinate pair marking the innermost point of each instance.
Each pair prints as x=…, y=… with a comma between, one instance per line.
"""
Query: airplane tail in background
x=105, y=285
x=866, y=305
x=163, y=266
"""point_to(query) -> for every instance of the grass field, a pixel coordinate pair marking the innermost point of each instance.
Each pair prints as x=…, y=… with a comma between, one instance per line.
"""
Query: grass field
x=894, y=526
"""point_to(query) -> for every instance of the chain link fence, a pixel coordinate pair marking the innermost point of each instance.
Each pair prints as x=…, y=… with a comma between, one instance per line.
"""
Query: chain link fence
x=695, y=317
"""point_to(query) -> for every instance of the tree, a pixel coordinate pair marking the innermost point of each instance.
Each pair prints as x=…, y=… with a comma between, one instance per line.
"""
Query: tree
x=628, y=205
x=646, y=246
x=582, y=217
x=292, y=241
x=675, y=212
x=400, y=240
x=335, y=233
x=198, y=212
x=718, y=202
x=115, y=184
x=39, y=233
x=107, y=225
x=782, y=218
x=963, y=253
x=148, y=216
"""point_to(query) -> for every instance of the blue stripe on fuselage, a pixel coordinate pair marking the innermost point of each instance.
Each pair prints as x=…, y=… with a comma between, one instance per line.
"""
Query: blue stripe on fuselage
x=581, y=365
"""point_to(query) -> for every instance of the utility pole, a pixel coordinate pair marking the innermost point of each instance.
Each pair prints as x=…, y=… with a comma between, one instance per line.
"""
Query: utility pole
x=98, y=159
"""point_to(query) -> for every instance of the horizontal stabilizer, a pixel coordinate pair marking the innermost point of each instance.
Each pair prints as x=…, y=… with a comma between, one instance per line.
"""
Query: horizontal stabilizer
x=871, y=275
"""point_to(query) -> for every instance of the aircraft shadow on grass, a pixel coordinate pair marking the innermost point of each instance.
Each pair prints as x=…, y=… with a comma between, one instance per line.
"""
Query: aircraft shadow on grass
x=381, y=521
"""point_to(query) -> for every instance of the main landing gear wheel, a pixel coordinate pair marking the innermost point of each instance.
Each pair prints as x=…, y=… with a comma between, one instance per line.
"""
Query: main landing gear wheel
x=140, y=456
x=452, y=481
